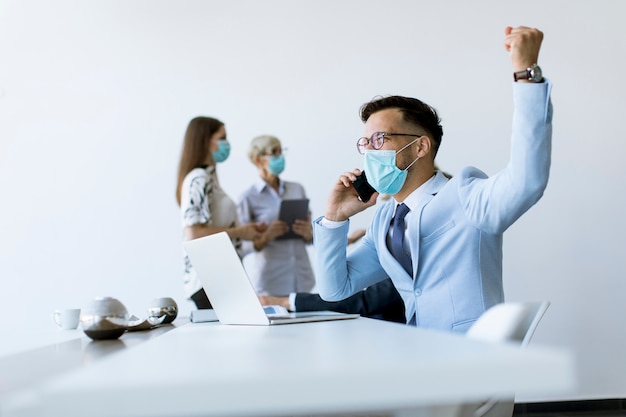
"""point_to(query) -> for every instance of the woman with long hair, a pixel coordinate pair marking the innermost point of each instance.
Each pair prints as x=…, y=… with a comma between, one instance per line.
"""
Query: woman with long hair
x=205, y=207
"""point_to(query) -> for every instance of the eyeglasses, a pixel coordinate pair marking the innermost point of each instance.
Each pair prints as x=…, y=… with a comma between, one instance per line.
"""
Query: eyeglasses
x=276, y=151
x=377, y=140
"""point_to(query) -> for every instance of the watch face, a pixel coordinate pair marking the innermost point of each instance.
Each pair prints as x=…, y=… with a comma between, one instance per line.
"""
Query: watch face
x=535, y=73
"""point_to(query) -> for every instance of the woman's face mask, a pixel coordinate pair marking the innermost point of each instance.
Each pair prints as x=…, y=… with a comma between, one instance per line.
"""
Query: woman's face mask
x=276, y=164
x=222, y=152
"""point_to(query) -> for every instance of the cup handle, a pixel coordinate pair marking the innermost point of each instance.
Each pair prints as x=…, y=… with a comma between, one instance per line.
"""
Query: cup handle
x=55, y=317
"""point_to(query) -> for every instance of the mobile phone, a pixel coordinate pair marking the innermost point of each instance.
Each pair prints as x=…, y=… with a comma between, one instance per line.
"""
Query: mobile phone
x=363, y=188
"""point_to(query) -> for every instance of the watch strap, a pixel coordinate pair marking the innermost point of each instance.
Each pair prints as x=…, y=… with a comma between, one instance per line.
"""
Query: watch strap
x=521, y=75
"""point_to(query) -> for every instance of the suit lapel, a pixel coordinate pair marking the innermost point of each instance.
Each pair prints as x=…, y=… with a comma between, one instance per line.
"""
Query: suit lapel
x=415, y=220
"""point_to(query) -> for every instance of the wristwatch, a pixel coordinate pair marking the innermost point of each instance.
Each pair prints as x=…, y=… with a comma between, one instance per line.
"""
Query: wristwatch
x=531, y=74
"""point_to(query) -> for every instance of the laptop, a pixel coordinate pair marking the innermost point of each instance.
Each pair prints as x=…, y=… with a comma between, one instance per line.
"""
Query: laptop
x=230, y=290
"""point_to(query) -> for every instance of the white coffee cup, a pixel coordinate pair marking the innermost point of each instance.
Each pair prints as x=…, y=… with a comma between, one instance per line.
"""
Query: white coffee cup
x=67, y=319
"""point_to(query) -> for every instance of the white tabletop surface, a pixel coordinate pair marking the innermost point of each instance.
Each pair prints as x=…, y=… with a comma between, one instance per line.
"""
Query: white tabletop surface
x=299, y=369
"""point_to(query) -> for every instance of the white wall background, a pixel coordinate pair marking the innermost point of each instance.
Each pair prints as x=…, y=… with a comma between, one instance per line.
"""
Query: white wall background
x=95, y=97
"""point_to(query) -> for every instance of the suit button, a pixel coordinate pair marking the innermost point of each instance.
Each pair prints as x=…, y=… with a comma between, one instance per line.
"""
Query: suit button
x=418, y=292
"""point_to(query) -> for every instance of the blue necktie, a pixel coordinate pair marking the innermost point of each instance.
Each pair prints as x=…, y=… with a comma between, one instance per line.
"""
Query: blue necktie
x=397, y=239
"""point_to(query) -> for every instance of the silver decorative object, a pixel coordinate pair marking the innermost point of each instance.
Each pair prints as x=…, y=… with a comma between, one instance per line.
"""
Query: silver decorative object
x=136, y=324
x=104, y=318
x=164, y=306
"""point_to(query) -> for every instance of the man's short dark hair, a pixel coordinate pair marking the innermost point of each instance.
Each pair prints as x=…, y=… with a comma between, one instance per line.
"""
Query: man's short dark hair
x=413, y=110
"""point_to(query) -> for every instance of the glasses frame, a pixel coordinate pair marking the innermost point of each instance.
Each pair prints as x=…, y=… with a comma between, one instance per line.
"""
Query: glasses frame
x=380, y=139
x=274, y=152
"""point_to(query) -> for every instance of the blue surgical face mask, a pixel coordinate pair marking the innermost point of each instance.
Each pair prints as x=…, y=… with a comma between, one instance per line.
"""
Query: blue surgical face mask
x=222, y=152
x=382, y=172
x=277, y=164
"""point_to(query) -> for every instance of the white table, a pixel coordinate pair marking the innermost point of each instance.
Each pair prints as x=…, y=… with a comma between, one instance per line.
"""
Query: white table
x=360, y=365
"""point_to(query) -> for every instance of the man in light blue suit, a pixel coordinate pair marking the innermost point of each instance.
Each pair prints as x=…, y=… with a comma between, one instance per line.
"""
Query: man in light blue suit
x=438, y=239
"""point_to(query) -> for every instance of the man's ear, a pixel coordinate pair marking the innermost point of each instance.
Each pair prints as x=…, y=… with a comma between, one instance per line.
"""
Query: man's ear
x=424, y=146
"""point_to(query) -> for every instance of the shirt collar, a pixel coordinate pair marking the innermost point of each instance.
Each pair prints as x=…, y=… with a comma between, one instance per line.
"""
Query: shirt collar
x=260, y=185
x=413, y=199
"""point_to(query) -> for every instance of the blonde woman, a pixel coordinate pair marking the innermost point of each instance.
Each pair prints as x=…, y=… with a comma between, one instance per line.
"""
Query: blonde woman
x=281, y=266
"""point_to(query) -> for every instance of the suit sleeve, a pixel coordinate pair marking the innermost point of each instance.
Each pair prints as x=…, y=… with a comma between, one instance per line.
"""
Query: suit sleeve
x=342, y=275
x=493, y=204
x=380, y=301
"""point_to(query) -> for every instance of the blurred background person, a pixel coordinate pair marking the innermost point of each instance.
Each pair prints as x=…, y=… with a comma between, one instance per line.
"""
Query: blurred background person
x=279, y=266
x=205, y=208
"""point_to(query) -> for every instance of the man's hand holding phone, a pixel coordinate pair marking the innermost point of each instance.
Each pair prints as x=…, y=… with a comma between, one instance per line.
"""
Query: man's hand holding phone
x=363, y=188
x=343, y=201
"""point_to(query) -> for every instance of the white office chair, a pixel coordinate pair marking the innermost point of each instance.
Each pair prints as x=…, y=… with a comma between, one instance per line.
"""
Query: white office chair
x=506, y=322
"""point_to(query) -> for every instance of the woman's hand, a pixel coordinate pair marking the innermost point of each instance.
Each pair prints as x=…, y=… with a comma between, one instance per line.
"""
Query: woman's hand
x=246, y=232
x=275, y=229
x=356, y=235
x=268, y=300
x=250, y=231
x=304, y=229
